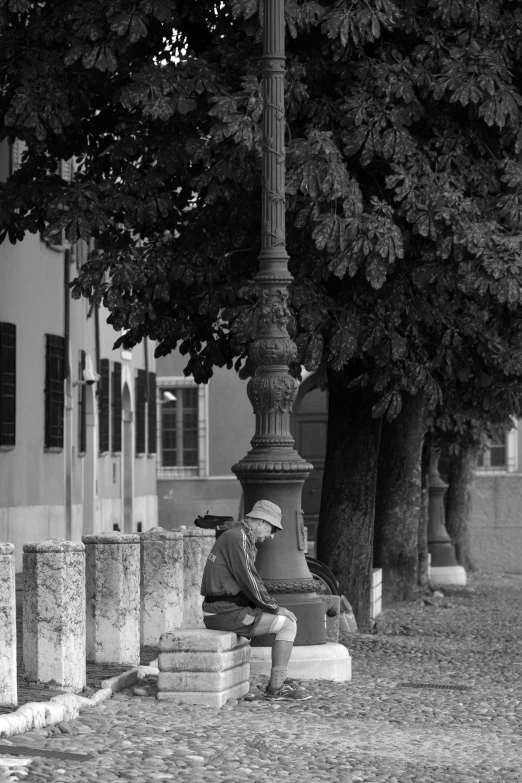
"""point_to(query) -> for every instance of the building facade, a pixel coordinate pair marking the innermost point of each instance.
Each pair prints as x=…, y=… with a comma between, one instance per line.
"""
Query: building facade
x=76, y=457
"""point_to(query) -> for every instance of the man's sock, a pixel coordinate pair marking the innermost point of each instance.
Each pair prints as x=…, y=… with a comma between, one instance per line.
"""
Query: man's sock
x=278, y=676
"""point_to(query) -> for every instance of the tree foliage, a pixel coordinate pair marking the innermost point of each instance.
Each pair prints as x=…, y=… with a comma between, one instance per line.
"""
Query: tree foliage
x=404, y=167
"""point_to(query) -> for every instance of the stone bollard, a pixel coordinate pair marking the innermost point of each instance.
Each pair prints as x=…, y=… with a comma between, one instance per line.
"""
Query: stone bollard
x=161, y=578
x=8, y=693
x=113, y=598
x=54, y=613
x=197, y=544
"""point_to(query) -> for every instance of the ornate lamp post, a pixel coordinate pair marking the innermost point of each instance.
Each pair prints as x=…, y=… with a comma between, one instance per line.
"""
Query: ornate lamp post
x=273, y=469
x=444, y=567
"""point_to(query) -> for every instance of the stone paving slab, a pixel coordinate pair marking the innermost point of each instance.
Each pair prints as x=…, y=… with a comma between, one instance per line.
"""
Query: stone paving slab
x=371, y=730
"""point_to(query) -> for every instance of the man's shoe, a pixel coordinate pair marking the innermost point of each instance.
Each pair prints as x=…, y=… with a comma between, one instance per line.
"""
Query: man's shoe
x=289, y=691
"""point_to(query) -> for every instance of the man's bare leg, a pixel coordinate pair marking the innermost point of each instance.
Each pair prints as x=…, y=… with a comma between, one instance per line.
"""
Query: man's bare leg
x=281, y=651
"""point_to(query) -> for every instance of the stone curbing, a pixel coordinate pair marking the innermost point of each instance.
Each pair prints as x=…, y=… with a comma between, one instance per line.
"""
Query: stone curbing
x=67, y=706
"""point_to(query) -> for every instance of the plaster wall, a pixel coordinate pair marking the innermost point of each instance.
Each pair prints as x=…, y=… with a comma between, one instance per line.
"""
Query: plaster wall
x=33, y=480
x=496, y=523
x=180, y=501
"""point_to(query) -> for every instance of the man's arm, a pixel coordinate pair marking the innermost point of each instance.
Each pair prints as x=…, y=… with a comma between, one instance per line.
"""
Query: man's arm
x=244, y=572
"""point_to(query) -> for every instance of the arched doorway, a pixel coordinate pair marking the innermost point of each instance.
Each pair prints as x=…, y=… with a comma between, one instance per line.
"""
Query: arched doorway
x=309, y=426
x=127, y=457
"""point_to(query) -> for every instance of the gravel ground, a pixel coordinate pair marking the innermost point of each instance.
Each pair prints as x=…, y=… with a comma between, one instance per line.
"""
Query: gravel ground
x=374, y=729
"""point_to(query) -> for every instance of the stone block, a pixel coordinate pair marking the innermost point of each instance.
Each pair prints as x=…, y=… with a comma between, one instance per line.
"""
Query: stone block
x=441, y=576
x=161, y=583
x=197, y=544
x=54, y=613
x=203, y=681
x=333, y=604
x=8, y=690
x=113, y=598
x=376, y=608
x=206, y=699
x=309, y=662
x=200, y=640
x=203, y=661
x=376, y=577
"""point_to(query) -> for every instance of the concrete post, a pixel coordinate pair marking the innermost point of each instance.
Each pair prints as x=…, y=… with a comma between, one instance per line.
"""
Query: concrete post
x=197, y=544
x=113, y=598
x=8, y=693
x=54, y=613
x=161, y=582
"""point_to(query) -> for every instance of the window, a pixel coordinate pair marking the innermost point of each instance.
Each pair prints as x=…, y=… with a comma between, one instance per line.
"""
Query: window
x=7, y=385
x=501, y=454
x=82, y=409
x=54, y=392
x=15, y=155
x=182, y=431
x=151, y=414
x=103, y=407
x=116, y=408
x=141, y=401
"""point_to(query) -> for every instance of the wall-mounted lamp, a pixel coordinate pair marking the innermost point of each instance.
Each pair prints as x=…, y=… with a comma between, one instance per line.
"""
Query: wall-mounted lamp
x=89, y=374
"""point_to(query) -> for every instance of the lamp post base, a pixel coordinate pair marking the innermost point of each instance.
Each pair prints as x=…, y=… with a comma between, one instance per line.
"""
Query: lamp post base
x=328, y=661
x=447, y=575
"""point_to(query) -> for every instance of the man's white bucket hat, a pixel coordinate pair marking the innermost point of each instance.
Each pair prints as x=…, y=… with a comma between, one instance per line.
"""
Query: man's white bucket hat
x=268, y=511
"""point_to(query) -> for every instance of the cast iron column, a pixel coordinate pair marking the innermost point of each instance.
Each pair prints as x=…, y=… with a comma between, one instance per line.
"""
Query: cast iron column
x=273, y=469
x=440, y=545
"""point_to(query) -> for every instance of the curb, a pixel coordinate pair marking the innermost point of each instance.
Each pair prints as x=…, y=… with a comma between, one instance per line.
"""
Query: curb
x=67, y=706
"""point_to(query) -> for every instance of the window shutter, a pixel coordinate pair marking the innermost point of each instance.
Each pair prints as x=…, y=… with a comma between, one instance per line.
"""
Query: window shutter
x=141, y=388
x=82, y=409
x=103, y=406
x=7, y=384
x=152, y=413
x=116, y=407
x=54, y=391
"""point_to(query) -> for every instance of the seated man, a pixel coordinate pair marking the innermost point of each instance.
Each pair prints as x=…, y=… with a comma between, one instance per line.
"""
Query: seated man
x=238, y=601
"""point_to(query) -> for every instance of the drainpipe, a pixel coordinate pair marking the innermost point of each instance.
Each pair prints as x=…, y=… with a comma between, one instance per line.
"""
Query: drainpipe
x=68, y=423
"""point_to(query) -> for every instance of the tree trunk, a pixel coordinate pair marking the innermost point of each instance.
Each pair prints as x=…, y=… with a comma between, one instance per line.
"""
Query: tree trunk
x=398, y=501
x=458, y=504
x=345, y=533
x=423, y=580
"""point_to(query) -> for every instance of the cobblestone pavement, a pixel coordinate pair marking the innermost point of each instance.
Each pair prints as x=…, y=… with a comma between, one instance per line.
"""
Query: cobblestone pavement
x=376, y=728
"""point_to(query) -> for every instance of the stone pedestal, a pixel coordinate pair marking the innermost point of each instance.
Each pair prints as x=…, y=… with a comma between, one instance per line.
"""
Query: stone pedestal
x=8, y=693
x=113, y=598
x=198, y=666
x=376, y=593
x=54, y=613
x=161, y=577
x=311, y=662
x=333, y=614
x=446, y=576
x=197, y=544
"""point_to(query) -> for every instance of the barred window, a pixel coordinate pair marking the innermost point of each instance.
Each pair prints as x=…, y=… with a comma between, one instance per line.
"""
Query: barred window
x=151, y=414
x=116, y=407
x=141, y=398
x=7, y=384
x=54, y=391
x=104, y=413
